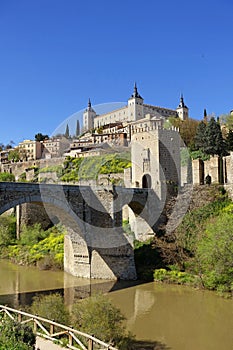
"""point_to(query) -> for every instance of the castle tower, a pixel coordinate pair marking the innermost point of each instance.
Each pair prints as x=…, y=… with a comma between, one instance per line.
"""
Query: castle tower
x=88, y=117
x=182, y=109
x=135, y=106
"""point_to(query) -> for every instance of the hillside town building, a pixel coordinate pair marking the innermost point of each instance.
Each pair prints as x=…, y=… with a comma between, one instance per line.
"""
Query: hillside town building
x=30, y=150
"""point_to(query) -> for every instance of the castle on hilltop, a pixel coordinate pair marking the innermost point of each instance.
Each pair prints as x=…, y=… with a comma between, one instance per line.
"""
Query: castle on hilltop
x=135, y=110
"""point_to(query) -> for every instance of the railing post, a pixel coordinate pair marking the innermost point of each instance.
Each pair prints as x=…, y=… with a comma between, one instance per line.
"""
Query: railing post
x=90, y=344
x=51, y=329
x=19, y=318
x=70, y=339
x=35, y=327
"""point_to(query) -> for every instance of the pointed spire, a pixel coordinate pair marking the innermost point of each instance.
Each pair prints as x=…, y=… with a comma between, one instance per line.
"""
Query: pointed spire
x=135, y=91
x=181, y=100
x=181, y=104
x=89, y=107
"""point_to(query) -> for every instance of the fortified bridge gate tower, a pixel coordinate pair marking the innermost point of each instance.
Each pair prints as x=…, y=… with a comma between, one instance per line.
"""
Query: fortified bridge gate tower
x=155, y=155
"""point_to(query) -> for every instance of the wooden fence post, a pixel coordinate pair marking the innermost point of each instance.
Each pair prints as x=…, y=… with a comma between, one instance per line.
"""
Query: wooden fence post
x=90, y=344
x=70, y=339
x=35, y=327
x=19, y=318
x=51, y=329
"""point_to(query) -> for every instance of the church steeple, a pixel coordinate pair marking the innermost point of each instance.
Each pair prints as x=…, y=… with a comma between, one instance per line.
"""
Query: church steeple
x=181, y=104
x=182, y=109
x=135, y=89
x=135, y=105
x=88, y=117
x=89, y=108
x=135, y=92
x=89, y=103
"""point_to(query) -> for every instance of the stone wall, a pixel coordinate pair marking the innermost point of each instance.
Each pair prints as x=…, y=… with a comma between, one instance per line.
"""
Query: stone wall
x=21, y=167
x=213, y=168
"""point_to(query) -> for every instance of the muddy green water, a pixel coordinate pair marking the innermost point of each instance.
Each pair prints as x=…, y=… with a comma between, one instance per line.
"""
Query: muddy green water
x=179, y=317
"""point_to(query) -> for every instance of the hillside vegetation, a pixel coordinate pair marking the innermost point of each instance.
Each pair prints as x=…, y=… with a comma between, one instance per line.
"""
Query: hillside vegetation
x=200, y=250
x=35, y=246
x=89, y=168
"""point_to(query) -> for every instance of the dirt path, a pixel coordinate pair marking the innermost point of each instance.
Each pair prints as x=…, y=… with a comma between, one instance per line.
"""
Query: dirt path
x=42, y=344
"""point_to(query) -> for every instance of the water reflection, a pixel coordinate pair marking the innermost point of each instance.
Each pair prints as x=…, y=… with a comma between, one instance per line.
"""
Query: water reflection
x=178, y=316
x=19, y=284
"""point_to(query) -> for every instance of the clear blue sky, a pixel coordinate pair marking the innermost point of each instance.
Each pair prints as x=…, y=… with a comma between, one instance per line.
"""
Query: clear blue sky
x=55, y=54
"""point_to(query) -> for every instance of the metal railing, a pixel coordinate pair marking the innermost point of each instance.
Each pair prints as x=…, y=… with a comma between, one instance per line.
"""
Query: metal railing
x=54, y=331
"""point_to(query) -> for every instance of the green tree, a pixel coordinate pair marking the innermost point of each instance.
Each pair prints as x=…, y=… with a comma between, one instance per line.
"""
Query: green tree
x=214, y=142
x=187, y=129
x=77, y=133
x=41, y=137
x=229, y=140
x=7, y=229
x=14, y=155
x=200, y=137
x=227, y=120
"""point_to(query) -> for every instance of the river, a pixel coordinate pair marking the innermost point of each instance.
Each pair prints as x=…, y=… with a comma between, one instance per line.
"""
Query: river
x=179, y=317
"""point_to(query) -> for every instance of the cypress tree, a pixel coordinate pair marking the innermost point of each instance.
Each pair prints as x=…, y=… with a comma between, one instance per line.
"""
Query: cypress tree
x=200, y=136
x=67, y=132
x=214, y=142
x=77, y=129
x=229, y=140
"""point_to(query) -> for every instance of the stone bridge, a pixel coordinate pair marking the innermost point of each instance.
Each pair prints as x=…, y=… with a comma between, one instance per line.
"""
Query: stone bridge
x=96, y=245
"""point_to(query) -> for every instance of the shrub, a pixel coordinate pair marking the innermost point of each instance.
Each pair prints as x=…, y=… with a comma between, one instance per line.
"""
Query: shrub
x=97, y=315
x=32, y=234
x=214, y=253
x=194, y=223
x=15, y=336
x=42, y=248
x=174, y=276
x=7, y=229
x=52, y=307
x=7, y=177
